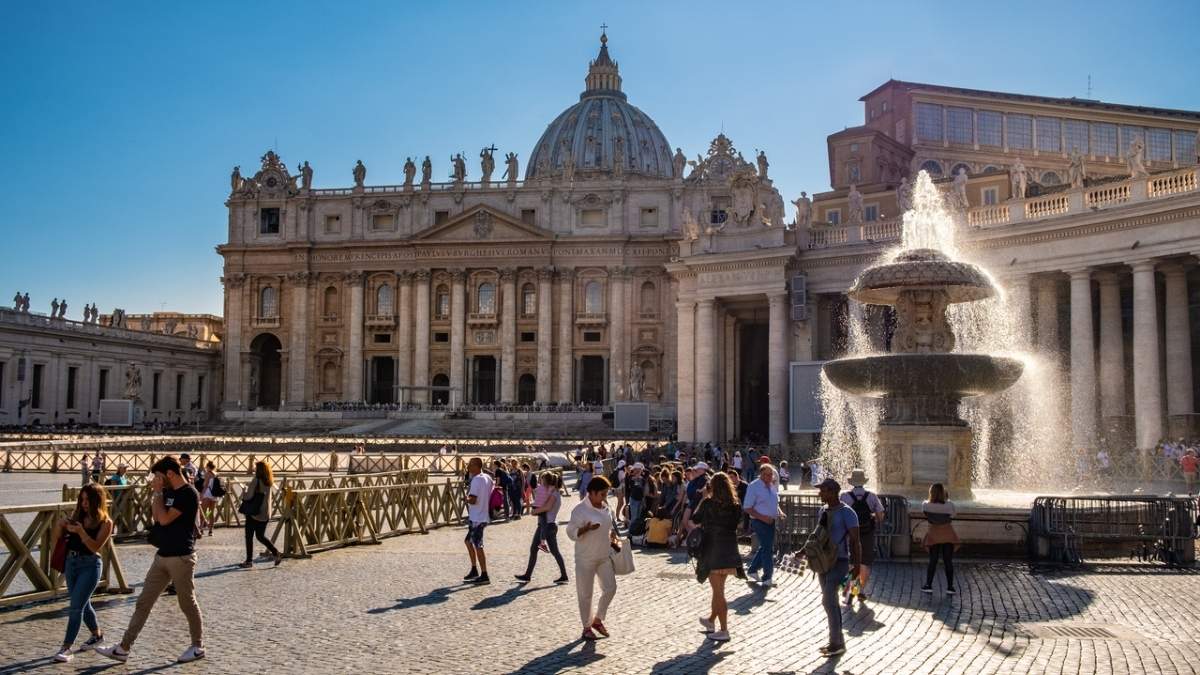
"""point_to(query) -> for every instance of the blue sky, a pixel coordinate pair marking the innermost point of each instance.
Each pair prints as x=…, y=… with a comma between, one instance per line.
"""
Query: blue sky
x=121, y=121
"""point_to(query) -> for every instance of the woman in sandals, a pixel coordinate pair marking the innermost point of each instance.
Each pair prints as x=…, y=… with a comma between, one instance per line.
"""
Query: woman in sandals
x=720, y=515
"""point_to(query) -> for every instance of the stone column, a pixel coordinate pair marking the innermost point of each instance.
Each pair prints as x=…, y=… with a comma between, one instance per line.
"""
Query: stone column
x=545, y=331
x=1083, y=363
x=1147, y=379
x=777, y=368
x=566, y=335
x=685, y=317
x=1178, y=340
x=1112, y=347
x=421, y=337
x=298, y=330
x=404, y=329
x=706, y=371
x=354, y=364
x=1047, y=318
x=617, y=373
x=1019, y=296
x=508, y=336
x=458, y=333
x=234, y=320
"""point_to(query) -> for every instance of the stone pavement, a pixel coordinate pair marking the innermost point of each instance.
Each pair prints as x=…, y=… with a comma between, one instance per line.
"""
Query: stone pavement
x=401, y=607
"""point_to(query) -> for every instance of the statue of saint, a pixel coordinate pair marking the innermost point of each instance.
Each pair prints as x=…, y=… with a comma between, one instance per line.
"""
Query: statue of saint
x=678, y=163
x=960, y=188
x=305, y=176
x=460, y=168
x=133, y=382
x=426, y=171
x=855, y=209
x=512, y=168
x=235, y=180
x=637, y=379
x=568, y=163
x=803, y=210
x=1019, y=178
x=54, y=308
x=1136, y=159
x=410, y=172
x=1076, y=173
x=487, y=163
x=691, y=228
x=763, y=165
x=25, y=303
x=904, y=195
x=62, y=309
x=17, y=302
x=360, y=173
x=618, y=156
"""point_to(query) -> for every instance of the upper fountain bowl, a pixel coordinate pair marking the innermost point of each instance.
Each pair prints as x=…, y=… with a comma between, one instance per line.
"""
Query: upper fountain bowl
x=921, y=268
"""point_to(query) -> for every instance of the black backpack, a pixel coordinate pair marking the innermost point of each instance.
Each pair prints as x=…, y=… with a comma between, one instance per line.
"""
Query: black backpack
x=866, y=518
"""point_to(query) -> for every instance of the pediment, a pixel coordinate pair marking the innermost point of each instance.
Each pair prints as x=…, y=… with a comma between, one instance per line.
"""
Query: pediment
x=480, y=223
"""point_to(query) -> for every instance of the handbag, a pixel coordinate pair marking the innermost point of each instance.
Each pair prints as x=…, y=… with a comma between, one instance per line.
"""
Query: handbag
x=251, y=507
x=58, y=559
x=622, y=560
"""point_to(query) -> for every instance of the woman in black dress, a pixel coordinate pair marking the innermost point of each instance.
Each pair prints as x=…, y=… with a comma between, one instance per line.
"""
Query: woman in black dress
x=720, y=514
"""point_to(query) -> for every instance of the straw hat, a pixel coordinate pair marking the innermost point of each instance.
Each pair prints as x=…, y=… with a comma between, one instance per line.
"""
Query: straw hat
x=858, y=478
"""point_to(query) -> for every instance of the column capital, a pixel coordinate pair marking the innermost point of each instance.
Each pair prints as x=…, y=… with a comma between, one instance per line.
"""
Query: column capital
x=458, y=275
x=685, y=304
x=545, y=273
x=1172, y=268
x=300, y=279
x=565, y=273
x=1080, y=273
x=706, y=302
x=403, y=276
x=1145, y=265
x=236, y=280
x=619, y=272
x=1106, y=277
x=354, y=277
x=508, y=275
x=422, y=276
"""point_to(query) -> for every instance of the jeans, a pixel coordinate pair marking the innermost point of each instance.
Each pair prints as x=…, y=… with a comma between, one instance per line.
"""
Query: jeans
x=82, y=573
x=635, y=511
x=548, y=532
x=257, y=528
x=946, y=552
x=178, y=570
x=829, y=600
x=514, y=501
x=764, y=555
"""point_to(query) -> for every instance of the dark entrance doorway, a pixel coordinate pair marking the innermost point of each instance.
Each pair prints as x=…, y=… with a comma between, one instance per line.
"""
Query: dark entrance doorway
x=592, y=374
x=265, y=372
x=752, y=394
x=441, y=396
x=383, y=377
x=526, y=389
x=483, y=379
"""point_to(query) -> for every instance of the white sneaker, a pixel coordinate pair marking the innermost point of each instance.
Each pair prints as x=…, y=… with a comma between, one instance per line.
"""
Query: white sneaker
x=719, y=636
x=64, y=656
x=768, y=583
x=709, y=626
x=113, y=652
x=193, y=653
x=752, y=576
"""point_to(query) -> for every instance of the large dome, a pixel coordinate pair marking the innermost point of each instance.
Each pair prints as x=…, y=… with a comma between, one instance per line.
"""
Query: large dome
x=602, y=126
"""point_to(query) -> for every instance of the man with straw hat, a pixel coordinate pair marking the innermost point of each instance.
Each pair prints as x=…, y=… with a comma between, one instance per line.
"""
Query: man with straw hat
x=869, y=509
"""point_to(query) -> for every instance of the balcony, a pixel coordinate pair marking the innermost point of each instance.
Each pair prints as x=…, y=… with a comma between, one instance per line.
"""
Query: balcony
x=265, y=322
x=329, y=320
x=591, y=319
x=381, y=320
x=482, y=319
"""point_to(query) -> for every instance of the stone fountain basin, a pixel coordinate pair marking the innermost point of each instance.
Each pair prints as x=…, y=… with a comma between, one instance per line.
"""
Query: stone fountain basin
x=942, y=374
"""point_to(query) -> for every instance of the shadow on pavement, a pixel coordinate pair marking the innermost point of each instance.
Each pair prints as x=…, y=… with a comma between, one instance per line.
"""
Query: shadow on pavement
x=702, y=660
x=508, y=596
x=435, y=597
x=860, y=621
x=563, y=658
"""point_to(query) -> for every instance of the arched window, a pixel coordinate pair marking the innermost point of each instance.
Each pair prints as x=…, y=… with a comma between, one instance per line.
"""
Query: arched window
x=528, y=300
x=1050, y=178
x=526, y=389
x=649, y=298
x=932, y=168
x=330, y=309
x=383, y=300
x=593, y=298
x=486, y=298
x=441, y=304
x=329, y=377
x=268, y=303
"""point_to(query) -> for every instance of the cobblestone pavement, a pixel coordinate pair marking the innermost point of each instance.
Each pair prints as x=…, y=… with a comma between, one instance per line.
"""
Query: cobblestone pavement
x=401, y=607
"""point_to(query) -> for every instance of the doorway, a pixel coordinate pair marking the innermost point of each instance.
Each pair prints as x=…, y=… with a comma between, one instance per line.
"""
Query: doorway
x=592, y=376
x=483, y=379
x=264, y=384
x=383, y=379
x=752, y=397
x=526, y=389
x=441, y=396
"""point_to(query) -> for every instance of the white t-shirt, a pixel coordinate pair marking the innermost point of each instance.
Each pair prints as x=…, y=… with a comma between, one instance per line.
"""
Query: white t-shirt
x=481, y=488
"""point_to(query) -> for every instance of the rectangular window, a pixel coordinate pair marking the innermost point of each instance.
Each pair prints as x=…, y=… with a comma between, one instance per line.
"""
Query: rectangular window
x=333, y=224
x=382, y=222
x=871, y=212
x=200, y=392
x=35, y=393
x=154, y=389
x=1075, y=133
x=441, y=337
x=179, y=391
x=1049, y=134
x=529, y=216
x=649, y=217
x=1185, y=147
x=990, y=128
x=1020, y=131
x=991, y=196
x=1104, y=139
x=102, y=389
x=929, y=122
x=591, y=217
x=72, y=376
x=268, y=221
x=1127, y=136
x=1158, y=145
x=440, y=217
x=383, y=338
x=833, y=216
x=591, y=336
x=528, y=337
x=960, y=126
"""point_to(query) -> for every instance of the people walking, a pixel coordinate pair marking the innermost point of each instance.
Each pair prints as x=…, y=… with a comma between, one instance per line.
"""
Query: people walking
x=515, y=489
x=211, y=491
x=546, y=532
x=635, y=493
x=592, y=528
x=174, y=506
x=87, y=529
x=841, y=524
x=720, y=515
x=478, y=495
x=85, y=469
x=1187, y=465
x=256, y=506
x=98, y=467
x=762, y=505
x=941, y=539
x=869, y=509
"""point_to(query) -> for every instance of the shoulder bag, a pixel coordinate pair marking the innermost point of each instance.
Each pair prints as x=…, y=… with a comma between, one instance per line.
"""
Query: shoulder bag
x=250, y=507
x=622, y=560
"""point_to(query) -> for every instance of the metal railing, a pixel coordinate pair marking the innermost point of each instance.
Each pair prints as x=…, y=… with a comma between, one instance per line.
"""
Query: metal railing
x=801, y=512
x=1070, y=529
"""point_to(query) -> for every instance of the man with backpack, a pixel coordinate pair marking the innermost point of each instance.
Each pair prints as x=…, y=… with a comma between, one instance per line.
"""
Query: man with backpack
x=833, y=551
x=869, y=509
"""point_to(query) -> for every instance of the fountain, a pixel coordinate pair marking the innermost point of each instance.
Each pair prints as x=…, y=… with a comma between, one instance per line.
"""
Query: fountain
x=921, y=437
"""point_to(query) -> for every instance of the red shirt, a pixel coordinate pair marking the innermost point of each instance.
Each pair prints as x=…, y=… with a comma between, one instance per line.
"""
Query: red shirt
x=1188, y=463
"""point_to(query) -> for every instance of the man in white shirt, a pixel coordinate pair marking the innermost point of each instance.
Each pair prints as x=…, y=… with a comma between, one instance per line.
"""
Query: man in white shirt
x=762, y=505
x=478, y=495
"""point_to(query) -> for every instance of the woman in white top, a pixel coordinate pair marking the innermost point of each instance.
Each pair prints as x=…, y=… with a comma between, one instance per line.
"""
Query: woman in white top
x=548, y=501
x=591, y=528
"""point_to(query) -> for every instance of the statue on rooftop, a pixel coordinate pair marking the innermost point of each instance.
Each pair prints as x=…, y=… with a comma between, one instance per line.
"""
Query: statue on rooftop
x=54, y=308
x=235, y=179
x=763, y=165
x=17, y=302
x=25, y=302
x=855, y=208
x=679, y=163
x=410, y=172
x=305, y=176
x=803, y=210
x=1076, y=174
x=1136, y=159
x=426, y=172
x=960, y=188
x=460, y=168
x=360, y=174
x=1019, y=178
x=487, y=163
x=62, y=309
x=512, y=168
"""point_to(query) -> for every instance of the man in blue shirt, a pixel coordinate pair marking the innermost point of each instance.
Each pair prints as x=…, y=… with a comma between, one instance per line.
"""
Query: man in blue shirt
x=762, y=505
x=842, y=523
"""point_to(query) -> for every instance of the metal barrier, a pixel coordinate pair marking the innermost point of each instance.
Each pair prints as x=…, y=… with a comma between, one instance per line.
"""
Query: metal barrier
x=140, y=461
x=801, y=511
x=1157, y=528
x=30, y=554
x=321, y=520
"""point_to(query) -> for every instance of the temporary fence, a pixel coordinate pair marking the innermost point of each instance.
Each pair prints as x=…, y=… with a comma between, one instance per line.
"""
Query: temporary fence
x=801, y=513
x=1070, y=529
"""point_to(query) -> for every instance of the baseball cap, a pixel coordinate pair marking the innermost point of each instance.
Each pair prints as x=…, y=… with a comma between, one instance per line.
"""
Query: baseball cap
x=701, y=466
x=764, y=460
